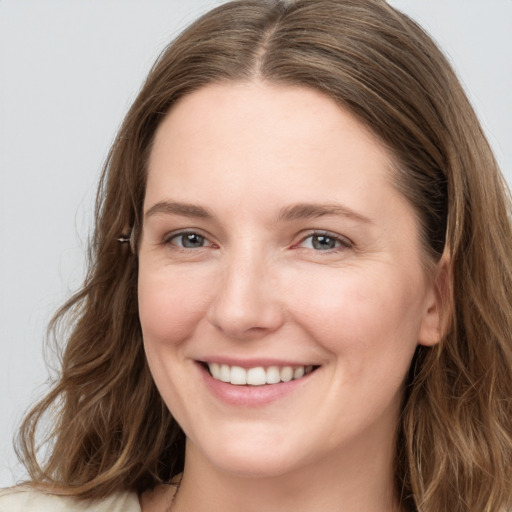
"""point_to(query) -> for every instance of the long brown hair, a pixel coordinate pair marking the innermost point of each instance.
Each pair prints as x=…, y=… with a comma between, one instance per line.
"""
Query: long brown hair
x=454, y=441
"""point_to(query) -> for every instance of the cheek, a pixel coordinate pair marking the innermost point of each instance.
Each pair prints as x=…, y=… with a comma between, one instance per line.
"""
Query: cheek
x=359, y=312
x=169, y=307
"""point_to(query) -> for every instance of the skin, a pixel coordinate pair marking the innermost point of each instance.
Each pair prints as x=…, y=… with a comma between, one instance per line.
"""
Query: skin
x=260, y=286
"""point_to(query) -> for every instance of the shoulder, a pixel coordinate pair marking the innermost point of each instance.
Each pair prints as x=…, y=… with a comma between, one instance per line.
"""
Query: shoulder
x=23, y=499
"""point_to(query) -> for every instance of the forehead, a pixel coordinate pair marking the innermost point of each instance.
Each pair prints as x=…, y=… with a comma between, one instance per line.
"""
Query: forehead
x=295, y=113
x=226, y=133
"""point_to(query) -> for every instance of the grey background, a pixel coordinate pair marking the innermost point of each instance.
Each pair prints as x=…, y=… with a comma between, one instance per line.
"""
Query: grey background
x=68, y=72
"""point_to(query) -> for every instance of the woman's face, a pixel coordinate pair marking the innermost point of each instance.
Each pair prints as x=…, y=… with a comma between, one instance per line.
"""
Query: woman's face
x=274, y=247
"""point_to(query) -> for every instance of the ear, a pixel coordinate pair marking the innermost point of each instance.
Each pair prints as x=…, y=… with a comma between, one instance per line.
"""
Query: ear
x=438, y=305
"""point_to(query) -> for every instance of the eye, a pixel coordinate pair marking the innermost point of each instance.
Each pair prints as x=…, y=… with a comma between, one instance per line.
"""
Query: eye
x=188, y=240
x=325, y=242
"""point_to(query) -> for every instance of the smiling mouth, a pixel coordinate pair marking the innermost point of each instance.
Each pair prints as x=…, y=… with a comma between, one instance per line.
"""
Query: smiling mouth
x=257, y=376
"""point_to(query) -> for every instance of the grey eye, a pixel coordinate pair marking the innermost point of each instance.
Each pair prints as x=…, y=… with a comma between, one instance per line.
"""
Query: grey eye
x=189, y=240
x=323, y=242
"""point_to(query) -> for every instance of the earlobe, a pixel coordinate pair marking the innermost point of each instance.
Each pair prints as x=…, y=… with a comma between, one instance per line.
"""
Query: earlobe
x=438, y=305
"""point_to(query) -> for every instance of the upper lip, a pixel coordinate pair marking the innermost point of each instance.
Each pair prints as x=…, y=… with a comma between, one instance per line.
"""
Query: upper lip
x=252, y=363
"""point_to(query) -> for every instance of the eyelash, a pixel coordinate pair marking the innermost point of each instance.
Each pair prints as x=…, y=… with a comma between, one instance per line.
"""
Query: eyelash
x=173, y=236
x=342, y=243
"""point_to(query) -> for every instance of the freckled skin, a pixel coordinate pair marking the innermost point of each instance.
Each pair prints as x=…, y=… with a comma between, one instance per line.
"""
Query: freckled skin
x=259, y=287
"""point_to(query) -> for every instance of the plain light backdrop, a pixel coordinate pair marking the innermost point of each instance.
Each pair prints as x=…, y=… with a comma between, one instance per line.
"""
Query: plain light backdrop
x=68, y=72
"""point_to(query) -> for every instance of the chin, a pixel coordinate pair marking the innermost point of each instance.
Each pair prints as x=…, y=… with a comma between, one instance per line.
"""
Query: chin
x=249, y=458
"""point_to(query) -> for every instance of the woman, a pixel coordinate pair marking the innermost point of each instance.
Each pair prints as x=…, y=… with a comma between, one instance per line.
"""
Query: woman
x=298, y=297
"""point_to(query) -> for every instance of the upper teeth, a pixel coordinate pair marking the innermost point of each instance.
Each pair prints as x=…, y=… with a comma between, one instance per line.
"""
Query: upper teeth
x=257, y=376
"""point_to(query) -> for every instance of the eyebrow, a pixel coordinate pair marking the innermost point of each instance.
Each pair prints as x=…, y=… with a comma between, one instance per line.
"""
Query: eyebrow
x=315, y=210
x=289, y=213
x=181, y=209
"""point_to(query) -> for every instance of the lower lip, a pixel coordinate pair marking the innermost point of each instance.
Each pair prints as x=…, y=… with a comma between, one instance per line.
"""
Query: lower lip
x=250, y=396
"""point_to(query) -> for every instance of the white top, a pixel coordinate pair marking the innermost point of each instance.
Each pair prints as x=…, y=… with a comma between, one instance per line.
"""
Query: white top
x=29, y=500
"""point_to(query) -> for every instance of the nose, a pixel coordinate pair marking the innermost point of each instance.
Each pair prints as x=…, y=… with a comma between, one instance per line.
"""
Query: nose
x=246, y=305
